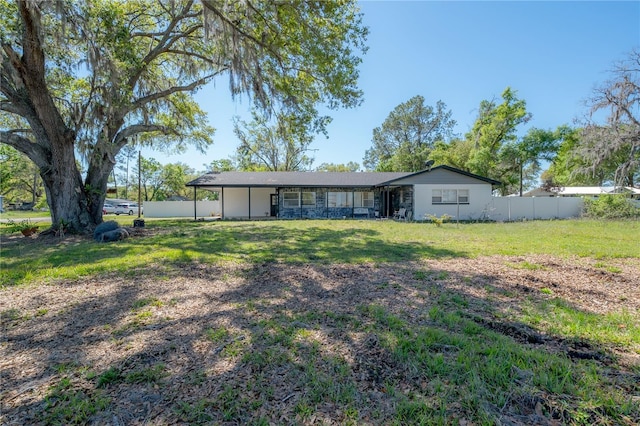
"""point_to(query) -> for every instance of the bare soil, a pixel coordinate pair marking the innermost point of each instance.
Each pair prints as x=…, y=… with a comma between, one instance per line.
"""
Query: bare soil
x=94, y=324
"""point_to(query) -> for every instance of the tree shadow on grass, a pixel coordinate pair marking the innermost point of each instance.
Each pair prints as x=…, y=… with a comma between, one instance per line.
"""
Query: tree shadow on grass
x=303, y=343
x=245, y=242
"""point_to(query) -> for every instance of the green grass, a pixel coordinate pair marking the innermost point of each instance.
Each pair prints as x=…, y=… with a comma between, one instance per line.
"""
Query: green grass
x=431, y=358
x=319, y=241
x=69, y=404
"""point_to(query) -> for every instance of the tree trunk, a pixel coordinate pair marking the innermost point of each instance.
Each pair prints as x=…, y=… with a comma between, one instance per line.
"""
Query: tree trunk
x=65, y=193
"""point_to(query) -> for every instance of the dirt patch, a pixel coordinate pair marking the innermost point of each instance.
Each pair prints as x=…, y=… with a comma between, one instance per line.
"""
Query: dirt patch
x=204, y=330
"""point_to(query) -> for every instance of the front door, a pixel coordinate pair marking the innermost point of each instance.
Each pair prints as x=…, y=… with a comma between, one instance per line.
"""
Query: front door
x=388, y=201
x=274, y=205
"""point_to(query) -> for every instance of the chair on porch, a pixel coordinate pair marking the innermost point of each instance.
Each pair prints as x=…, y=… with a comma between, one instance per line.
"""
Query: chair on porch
x=400, y=214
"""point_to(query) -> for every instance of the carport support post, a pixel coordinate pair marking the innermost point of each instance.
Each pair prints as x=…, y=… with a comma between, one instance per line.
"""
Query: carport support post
x=195, y=205
x=249, y=203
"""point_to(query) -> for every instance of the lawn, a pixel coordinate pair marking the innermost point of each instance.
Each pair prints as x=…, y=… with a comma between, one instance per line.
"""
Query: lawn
x=309, y=322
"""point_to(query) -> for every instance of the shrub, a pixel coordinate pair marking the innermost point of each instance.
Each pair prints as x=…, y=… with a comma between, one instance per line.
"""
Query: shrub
x=438, y=221
x=611, y=206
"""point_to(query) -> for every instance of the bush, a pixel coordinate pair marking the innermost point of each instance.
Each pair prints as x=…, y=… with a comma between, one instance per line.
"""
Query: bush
x=611, y=206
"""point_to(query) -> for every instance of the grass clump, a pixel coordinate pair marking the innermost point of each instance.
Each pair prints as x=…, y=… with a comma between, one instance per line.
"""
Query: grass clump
x=69, y=404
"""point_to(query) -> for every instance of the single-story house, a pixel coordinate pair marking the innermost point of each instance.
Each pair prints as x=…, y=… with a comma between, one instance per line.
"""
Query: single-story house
x=290, y=195
x=583, y=191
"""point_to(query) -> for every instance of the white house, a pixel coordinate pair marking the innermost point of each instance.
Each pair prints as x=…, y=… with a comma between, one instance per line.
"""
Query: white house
x=437, y=191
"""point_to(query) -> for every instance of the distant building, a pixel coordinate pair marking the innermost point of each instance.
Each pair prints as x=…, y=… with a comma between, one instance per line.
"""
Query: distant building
x=583, y=191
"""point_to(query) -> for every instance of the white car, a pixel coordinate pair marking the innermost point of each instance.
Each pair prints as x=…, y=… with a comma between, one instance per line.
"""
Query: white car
x=108, y=208
x=127, y=208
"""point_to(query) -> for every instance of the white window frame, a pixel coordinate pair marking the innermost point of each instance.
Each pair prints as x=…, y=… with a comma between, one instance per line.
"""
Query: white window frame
x=342, y=199
x=308, y=202
x=293, y=199
x=363, y=199
x=290, y=199
x=450, y=196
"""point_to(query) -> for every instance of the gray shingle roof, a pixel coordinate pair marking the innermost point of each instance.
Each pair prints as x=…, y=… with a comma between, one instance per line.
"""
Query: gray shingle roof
x=316, y=179
x=296, y=179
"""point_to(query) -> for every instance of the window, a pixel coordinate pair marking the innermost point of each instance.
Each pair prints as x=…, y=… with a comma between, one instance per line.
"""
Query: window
x=450, y=196
x=292, y=199
x=308, y=199
x=339, y=199
x=363, y=199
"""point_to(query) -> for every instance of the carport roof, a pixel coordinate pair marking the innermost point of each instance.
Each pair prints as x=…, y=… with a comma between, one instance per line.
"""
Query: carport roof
x=296, y=179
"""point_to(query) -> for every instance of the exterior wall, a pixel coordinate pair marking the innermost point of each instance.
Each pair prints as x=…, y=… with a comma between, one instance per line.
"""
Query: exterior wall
x=235, y=202
x=181, y=208
x=320, y=210
x=261, y=201
x=479, y=198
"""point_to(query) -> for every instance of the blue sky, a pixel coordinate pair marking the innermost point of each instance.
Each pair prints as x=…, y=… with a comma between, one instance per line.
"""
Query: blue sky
x=551, y=53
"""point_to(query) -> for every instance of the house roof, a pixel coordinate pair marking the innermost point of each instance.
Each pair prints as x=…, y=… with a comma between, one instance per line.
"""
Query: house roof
x=313, y=179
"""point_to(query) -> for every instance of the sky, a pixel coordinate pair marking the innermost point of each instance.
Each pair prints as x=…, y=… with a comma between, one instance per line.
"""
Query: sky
x=552, y=53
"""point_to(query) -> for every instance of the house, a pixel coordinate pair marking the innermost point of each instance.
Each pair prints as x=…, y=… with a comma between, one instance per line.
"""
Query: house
x=583, y=191
x=314, y=195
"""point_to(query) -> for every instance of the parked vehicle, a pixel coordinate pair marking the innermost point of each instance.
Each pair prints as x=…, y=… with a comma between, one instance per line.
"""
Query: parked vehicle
x=108, y=208
x=127, y=208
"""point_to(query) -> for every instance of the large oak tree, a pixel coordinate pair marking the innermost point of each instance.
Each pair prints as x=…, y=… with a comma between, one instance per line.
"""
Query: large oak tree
x=617, y=141
x=83, y=78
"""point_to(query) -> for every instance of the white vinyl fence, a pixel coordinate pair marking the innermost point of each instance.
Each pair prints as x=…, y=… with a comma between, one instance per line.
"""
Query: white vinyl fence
x=499, y=209
x=519, y=208
x=181, y=208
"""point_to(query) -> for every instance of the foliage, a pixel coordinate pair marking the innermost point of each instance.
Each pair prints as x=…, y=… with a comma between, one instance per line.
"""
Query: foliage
x=496, y=128
x=351, y=166
x=223, y=165
x=618, y=141
x=569, y=169
x=19, y=179
x=281, y=144
x=521, y=160
x=13, y=226
x=611, y=206
x=492, y=149
x=87, y=77
x=438, y=221
x=408, y=135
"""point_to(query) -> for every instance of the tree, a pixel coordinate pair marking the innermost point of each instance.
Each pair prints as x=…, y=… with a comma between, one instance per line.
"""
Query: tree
x=281, y=144
x=19, y=180
x=223, y=165
x=619, y=140
x=331, y=167
x=455, y=153
x=522, y=159
x=568, y=168
x=495, y=127
x=175, y=176
x=408, y=135
x=492, y=149
x=84, y=78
